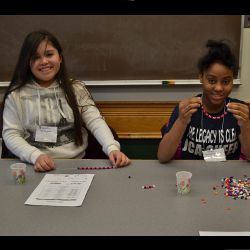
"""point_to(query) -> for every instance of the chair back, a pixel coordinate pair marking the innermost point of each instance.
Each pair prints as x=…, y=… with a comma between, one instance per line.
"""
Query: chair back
x=94, y=149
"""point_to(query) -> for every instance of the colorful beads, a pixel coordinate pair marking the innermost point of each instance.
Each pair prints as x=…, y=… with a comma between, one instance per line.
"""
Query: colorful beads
x=19, y=177
x=148, y=186
x=237, y=189
x=18, y=171
x=204, y=200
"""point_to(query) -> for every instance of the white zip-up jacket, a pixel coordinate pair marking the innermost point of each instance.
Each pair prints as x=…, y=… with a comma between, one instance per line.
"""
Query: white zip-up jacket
x=32, y=106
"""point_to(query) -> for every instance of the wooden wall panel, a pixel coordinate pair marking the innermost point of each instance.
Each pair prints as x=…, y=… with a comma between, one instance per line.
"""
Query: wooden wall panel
x=136, y=119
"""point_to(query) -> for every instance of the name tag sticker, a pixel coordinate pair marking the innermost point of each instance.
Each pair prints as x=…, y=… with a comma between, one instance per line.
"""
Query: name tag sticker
x=46, y=134
x=214, y=155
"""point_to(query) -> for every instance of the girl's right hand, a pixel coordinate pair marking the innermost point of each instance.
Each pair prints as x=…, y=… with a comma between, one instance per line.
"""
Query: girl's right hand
x=44, y=163
x=187, y=108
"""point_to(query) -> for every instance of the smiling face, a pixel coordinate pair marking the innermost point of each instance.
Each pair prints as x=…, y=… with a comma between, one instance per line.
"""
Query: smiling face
x=45, y=64
x=217, y=84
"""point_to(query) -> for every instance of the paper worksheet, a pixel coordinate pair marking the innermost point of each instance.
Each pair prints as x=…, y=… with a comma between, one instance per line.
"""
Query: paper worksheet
x=61, y=190
x=220, y=233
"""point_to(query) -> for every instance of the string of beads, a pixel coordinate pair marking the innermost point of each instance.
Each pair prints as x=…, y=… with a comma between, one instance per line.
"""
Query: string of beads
x=213, y=117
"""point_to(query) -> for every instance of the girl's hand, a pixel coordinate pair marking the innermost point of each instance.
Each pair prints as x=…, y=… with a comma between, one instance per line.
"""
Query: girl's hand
x=119, y=159
x=44, y=163
x=187, y=108
x=241, y=112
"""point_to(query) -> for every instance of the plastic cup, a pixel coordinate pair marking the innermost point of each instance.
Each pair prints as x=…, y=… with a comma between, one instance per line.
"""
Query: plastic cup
x=18, y=173
x=183, y=182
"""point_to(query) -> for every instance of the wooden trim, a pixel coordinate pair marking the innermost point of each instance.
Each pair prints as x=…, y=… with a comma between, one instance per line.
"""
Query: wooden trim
x=137, y=120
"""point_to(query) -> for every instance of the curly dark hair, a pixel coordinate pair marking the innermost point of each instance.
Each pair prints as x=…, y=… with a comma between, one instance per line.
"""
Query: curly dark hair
x=218, y=52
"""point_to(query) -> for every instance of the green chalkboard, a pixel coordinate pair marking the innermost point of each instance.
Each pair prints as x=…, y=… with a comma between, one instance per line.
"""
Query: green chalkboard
x=122, y=47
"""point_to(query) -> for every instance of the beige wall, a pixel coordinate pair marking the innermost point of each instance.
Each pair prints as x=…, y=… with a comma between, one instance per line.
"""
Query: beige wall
x=173, y=93
x=243, y=92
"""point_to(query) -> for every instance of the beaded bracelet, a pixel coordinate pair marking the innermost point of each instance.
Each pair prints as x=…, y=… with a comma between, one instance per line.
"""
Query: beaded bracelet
x=95, y=168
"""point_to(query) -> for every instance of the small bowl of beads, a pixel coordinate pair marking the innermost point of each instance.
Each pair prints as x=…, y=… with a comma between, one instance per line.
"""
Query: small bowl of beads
x=18, y=173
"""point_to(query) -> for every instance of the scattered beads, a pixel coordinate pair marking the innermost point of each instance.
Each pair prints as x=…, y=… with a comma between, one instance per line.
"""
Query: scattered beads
x=215, y=190
x=204, y=200
x=148, y=186
x=237, y=189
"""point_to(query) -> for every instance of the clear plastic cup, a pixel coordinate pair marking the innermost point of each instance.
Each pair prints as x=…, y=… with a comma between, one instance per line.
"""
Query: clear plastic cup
x=183, y=182
x=18, y=173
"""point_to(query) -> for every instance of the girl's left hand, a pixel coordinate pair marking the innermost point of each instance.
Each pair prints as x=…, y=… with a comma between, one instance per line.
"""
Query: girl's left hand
x=119, y=159
x=240, y=111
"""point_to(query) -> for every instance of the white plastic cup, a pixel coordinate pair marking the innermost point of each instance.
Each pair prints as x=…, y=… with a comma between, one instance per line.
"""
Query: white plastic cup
x=183, y=182
x=18, y=173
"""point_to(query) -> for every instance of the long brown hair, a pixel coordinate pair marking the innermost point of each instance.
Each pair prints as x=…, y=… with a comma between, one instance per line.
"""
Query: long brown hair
x=22, y=74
